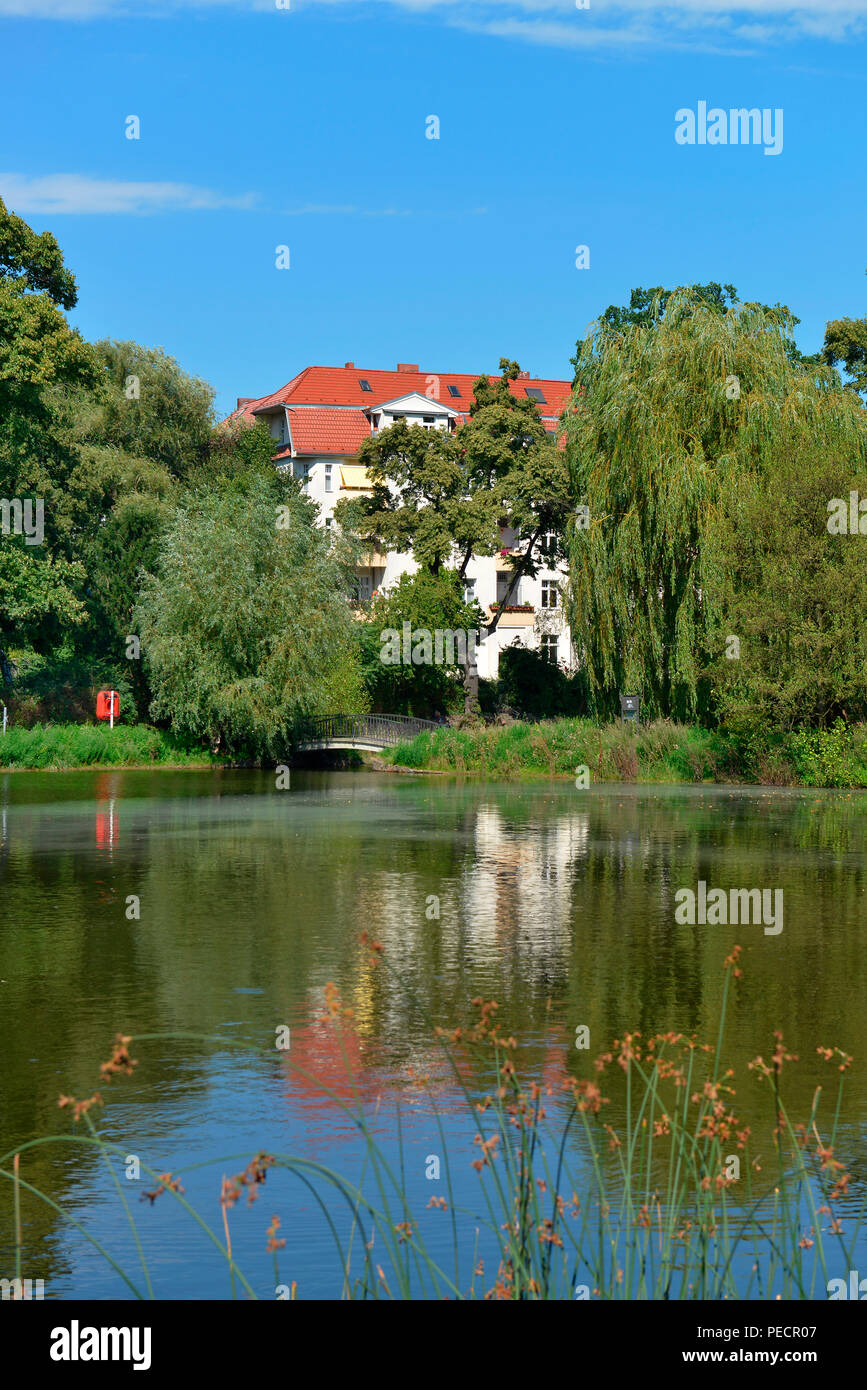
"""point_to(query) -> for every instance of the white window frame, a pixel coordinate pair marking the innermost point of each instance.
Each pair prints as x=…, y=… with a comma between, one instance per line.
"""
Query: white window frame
x=550, y=597
x=329, y=477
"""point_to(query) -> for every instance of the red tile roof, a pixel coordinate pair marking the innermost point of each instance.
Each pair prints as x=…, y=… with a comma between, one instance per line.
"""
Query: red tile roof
x=327, y=431
x=340, y=430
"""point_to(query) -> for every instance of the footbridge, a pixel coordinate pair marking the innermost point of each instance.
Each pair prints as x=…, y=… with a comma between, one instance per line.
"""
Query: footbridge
x=371, y=731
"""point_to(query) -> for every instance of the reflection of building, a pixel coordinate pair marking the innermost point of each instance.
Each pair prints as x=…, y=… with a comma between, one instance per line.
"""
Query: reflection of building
x=318, y=422
x=520, y=886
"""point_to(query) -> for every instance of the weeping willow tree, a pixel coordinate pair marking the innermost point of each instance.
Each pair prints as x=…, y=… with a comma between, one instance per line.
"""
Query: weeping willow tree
x=665, y=421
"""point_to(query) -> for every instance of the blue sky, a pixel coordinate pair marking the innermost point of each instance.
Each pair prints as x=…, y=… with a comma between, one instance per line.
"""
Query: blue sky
x=305, y=127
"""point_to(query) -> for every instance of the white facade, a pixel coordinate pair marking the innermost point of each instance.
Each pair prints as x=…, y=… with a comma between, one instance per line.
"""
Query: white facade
x=537, y=620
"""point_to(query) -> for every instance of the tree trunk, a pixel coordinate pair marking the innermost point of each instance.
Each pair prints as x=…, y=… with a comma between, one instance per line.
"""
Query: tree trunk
x=471, y=689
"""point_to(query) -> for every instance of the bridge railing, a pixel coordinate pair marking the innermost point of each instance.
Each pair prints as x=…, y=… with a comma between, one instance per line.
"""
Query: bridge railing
x=384, y=729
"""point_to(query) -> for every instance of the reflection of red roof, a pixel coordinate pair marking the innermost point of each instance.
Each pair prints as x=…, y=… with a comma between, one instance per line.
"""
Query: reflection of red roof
x=332, y=1060
x=327, y=431
x=335, y=387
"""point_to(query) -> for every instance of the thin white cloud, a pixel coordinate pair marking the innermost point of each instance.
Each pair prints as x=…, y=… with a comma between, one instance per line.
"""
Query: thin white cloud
x=723, y=26
x=344, y=210
x=77, y=193
x=353, y=210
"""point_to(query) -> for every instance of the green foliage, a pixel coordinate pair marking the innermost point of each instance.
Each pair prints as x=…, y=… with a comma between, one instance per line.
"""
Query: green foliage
x=537, y=688
x=516, y=469
x=150, y=408
x=59, y=746
x=846, y=343
x=63, y=687
x=793, y=594
x=39, y=354
x=662, y=751
x=647, y=307
x=245, y=626
x=425, y=601
x=655, y=443
x=419, y=498
x=823, y=757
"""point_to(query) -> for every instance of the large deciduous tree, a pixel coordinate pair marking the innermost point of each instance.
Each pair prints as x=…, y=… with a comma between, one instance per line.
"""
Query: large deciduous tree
x=39, y=353
x=666, y=419
x=245, y=625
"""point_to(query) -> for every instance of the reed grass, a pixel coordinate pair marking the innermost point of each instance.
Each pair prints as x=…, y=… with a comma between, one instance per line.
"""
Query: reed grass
x=661, y=752
x=674, y=1201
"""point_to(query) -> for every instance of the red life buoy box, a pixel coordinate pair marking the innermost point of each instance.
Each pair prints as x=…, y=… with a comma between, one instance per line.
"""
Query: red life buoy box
x=107, y=704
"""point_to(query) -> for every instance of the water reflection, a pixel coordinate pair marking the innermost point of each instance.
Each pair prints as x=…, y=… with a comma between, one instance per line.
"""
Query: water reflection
x=558, y=903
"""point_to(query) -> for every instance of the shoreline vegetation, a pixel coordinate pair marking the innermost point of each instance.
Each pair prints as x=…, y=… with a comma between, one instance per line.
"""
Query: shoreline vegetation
x=661, y=752
x=67, y=747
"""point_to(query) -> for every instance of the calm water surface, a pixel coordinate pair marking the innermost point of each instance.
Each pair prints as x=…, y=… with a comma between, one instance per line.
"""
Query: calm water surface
x=557, y=903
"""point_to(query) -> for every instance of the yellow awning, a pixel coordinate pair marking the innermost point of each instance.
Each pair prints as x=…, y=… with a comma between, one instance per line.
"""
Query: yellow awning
x=354, y=477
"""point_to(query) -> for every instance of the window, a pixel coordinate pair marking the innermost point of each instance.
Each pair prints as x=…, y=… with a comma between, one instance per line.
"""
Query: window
x=550, y=593
x=364, y=384
x=454, y=391
x=503, y=582
x=535, y=394
x=329, y=477
x=469, y=590
x=429, y=419
x=549, y=543
x=329, y=529
x=549, y=649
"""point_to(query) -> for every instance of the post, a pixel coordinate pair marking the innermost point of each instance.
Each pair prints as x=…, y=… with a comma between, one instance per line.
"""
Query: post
x=629, y=710
x=4, y=719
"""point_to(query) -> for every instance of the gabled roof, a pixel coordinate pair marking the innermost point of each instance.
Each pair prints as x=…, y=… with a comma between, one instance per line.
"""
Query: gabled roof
x=425, y=404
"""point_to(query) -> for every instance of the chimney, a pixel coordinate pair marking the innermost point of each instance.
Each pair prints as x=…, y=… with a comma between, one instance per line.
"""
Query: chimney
x=407, y=366
x=349, y=364
x=245, y=400
x=523, y=376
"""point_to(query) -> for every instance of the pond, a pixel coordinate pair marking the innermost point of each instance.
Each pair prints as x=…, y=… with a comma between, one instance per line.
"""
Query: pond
x=204, y=914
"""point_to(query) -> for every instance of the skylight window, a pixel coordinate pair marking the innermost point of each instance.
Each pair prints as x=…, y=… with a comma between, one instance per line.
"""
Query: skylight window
x=454, y=390
x=535, y=394
x=364, y=384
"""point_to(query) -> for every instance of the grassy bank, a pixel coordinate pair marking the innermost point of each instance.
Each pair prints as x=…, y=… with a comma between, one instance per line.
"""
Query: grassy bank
x=660, y=752
x=63, y=746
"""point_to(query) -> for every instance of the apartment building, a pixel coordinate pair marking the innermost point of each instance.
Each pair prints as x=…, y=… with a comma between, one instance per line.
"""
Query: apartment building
x=318, y=421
